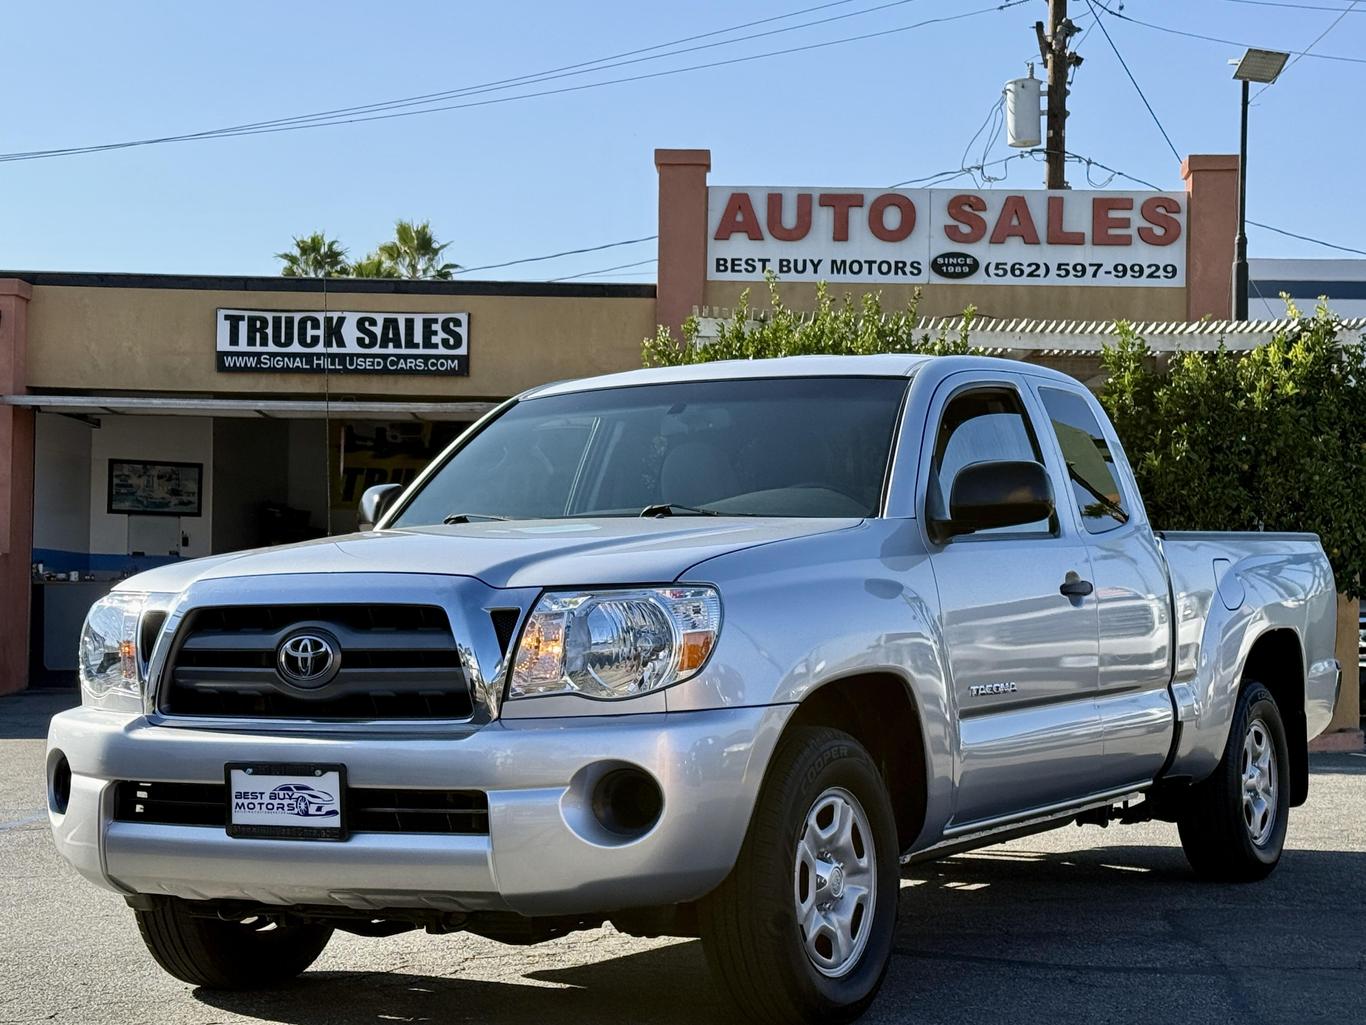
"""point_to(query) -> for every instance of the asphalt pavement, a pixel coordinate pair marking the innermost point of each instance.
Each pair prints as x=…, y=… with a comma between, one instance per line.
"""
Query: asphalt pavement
x=1077, y=925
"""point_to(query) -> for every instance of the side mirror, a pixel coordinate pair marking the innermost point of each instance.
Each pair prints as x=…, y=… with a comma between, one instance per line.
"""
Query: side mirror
x=375, y=503
x=1003, y=493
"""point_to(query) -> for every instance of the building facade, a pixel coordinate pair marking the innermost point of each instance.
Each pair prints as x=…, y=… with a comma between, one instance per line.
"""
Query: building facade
x=147, y=418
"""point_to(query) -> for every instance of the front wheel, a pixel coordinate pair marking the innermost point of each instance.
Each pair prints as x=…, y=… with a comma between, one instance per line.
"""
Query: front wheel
x=1233, y=827
x=801, y=930
x=258, y=953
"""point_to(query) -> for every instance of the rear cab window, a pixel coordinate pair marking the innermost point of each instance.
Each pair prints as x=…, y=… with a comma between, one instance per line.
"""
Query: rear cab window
x=1090, y=464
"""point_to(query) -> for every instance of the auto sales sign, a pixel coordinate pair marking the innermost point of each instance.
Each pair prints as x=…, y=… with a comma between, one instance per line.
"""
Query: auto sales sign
x=343, y=342
x=947, y=236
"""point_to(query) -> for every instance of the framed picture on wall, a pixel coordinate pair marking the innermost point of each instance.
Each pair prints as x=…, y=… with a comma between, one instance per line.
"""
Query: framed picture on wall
x=156, y=489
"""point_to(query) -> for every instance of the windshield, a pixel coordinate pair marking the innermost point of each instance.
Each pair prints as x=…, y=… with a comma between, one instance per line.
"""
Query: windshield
x=803, y=446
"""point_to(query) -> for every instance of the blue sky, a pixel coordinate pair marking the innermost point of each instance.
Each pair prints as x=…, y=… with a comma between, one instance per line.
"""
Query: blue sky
x=535, y=176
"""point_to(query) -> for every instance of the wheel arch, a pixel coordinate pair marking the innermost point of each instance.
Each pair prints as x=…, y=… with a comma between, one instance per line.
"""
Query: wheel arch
x=1276, y=661
x=880, y=711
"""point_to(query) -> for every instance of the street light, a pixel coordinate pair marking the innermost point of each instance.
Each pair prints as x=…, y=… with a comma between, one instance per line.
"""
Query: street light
x=1256, y=66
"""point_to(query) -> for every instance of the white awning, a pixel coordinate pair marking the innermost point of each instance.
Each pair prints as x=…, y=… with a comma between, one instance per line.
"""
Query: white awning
x=289, y=409
x=1010, y=336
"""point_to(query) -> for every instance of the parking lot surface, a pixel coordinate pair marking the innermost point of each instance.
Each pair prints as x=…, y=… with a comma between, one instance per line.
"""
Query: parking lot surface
x=1076, y=925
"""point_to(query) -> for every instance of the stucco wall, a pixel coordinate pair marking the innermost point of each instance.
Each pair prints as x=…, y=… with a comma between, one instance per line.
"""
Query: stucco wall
x=61, y=485
x=102, y=339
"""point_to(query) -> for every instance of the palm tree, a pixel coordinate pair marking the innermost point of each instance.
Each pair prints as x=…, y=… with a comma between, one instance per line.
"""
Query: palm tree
x=373, y=266
x=414, y=252
x=314, y=256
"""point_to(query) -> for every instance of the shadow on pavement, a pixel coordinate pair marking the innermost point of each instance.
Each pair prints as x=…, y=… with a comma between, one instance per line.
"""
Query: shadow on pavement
x=1121, y=933
x=661, y=986
x=24, y=716
x=1341, y=764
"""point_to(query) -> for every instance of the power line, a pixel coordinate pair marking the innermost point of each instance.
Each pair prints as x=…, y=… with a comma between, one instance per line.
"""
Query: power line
x=648, y=275
x=1089, y=161
x=606, y=270
x=632, y=78
x=1308, y=238
x=303, y=122
x=504, y=83
x=942, y=177
x=554, y=256
x=1219, y=39
x=1095, y=20
x=1259, y=224
x=1296, y=7
x=993, y=114
x=1317, y=39
x=1125, y=65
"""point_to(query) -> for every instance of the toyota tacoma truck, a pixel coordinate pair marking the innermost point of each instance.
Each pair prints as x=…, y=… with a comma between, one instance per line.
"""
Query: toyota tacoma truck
x=701, y=651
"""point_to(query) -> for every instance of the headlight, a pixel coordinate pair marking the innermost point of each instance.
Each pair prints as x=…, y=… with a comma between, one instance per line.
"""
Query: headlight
x=615, y=644
x=110, y=674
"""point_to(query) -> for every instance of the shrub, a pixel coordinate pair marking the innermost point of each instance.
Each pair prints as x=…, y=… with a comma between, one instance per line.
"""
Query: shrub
x=842, y=327
x=1271, y=439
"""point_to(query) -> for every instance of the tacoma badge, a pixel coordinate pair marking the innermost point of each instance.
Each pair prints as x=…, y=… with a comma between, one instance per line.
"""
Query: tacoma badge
x=979, y=690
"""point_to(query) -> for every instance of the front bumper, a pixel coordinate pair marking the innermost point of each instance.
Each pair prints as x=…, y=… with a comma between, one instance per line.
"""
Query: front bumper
x=544, y=853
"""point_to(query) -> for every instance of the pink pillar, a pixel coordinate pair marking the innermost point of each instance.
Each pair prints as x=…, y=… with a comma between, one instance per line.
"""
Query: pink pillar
x=682, y=234
x=16, y=488
x=1211, y=224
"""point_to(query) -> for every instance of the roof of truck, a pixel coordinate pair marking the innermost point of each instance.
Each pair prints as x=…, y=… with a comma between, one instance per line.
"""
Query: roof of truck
x=876, y=365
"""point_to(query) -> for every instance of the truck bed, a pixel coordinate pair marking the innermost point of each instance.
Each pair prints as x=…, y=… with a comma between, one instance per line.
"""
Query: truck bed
x=1229, y=588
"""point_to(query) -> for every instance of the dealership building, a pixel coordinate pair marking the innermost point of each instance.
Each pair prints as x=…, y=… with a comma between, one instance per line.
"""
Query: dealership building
x=148, y=417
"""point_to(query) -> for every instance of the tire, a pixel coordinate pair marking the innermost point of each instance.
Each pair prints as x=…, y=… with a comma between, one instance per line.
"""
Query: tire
x=1233, y=826
x=215, y=954
x=751, y=924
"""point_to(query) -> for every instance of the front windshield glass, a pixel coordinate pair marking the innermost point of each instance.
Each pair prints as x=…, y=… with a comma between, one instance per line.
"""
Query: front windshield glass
x=797, y=446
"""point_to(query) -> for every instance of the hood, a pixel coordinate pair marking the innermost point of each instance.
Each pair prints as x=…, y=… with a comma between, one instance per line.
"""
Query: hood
x=521, y=553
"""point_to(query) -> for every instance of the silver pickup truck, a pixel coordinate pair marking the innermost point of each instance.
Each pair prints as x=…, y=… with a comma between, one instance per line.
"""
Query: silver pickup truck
x=705, y=651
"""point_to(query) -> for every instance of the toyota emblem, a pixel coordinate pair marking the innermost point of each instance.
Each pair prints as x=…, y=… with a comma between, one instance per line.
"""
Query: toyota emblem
x=308, y=658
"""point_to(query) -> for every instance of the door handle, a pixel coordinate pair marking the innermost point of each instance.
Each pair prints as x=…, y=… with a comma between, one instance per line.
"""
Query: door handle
x=1075, y=587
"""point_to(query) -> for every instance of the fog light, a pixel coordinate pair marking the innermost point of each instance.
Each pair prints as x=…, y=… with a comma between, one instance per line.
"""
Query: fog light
x=59, y=790
x=627, y=802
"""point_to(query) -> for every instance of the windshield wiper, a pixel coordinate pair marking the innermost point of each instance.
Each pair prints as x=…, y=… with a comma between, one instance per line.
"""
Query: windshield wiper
x=674, y=509
x=467, y=517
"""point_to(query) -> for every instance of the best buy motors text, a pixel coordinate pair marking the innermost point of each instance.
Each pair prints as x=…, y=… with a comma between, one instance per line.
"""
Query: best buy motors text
x=917, y=236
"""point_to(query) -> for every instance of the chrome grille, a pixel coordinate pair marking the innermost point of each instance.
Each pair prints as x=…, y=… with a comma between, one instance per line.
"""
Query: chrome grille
x=396, y=662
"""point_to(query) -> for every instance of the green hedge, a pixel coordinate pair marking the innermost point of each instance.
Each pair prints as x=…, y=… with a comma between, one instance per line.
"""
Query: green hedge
x=842, y=328
x=1271, y=439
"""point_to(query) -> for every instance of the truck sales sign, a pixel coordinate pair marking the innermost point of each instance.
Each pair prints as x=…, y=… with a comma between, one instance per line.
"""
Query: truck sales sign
x=343, y=342
x=986, y=237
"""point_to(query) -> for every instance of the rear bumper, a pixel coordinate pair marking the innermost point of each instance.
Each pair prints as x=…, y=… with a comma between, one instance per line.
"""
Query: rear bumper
x=544, y=852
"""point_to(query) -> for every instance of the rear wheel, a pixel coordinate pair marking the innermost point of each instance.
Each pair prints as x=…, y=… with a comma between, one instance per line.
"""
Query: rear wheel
x=1233, y=828
x=802, y=928
x=258, y=953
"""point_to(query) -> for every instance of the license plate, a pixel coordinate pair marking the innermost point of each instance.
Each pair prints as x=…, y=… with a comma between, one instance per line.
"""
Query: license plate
x=291, y=801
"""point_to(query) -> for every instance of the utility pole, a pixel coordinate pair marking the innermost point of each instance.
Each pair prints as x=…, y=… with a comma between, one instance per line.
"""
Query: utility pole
x=1059, y=61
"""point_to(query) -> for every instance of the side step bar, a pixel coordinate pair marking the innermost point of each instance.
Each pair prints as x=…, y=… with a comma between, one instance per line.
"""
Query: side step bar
x=993, y=831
